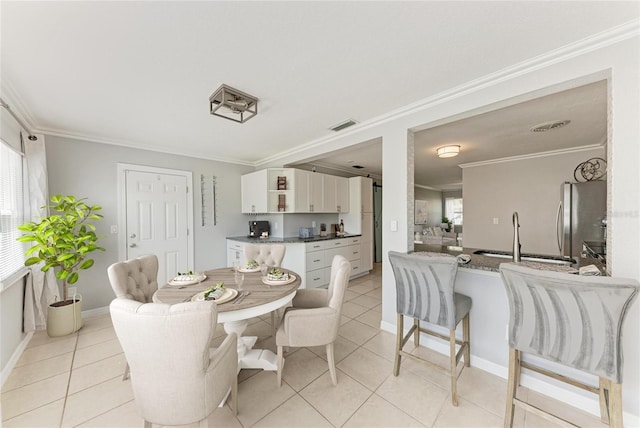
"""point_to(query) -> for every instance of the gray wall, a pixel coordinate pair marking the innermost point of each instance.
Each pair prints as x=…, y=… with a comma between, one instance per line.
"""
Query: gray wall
x=529, y=186
x=86, y=169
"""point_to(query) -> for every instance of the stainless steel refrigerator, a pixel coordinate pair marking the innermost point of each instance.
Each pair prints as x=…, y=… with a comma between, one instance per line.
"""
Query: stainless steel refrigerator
x=583, y=207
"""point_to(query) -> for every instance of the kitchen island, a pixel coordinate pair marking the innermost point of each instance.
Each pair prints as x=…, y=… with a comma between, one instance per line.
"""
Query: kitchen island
x=492, y=263
x=489, y=316
x=311, y=257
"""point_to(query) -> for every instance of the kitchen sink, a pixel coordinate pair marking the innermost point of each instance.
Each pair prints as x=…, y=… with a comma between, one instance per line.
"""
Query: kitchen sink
x=559, y=260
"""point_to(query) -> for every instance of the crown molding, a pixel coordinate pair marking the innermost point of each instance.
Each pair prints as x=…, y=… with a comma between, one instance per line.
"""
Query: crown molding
x=591, y=43
x=133, y=145
x=532, y=155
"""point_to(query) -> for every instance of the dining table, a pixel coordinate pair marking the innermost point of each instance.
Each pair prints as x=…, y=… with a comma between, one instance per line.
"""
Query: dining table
x=262, y=297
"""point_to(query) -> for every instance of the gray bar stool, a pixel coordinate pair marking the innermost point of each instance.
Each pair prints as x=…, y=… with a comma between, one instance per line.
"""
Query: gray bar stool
x=571, y=320
x=425, y=292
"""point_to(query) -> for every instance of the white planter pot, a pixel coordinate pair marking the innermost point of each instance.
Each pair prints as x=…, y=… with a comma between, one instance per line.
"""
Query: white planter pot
x=64, y=319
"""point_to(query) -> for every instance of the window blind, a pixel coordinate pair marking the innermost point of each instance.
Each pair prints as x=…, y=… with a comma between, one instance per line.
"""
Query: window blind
x=11, y=211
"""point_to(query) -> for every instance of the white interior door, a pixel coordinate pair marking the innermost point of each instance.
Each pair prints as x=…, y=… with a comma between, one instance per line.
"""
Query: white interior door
x=158, y=219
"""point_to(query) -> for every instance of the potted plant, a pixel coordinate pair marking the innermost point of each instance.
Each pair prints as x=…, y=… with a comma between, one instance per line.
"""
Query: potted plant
x=63, y=241
x=446, y=222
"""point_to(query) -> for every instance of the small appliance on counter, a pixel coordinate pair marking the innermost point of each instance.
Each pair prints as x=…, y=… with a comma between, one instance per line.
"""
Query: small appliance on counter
x=323, y=229
x=305, y=232
x=259, y=229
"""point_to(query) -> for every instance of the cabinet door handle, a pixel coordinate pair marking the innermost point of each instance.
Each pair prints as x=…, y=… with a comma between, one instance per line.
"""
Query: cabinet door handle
x=315, y=261
x=316, y=279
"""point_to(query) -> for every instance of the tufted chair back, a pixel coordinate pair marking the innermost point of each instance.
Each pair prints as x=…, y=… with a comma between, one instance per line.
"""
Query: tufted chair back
x=135, y=279
x=269, y=254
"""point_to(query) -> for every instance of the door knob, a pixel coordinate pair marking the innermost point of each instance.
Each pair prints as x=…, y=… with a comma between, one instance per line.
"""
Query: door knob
x=133, y=235
x=132, y=245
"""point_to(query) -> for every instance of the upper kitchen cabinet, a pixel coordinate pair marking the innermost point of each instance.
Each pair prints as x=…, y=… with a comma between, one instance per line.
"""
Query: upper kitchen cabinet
x=253, y=187
x=336, y=194
x=290, y=190
x=281, y=188
x=308, y=191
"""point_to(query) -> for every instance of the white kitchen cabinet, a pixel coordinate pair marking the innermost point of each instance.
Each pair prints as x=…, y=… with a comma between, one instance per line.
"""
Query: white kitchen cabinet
x=281, y=200
x=253, y=188
x=336, y=194
x=235, y=253
x=359, y=219
x=366, y=254
x=308, y=191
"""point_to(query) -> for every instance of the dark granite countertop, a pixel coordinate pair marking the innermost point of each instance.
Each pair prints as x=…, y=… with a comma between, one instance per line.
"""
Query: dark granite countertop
x=289, y=240
x=491, y=264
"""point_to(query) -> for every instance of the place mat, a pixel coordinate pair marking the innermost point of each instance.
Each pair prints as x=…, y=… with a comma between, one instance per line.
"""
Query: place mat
x=229, y=294
x=291, y=279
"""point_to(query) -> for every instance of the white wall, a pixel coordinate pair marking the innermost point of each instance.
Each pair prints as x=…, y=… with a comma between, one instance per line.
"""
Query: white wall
x=529, y=186
x=613, y=56
x=86, y=169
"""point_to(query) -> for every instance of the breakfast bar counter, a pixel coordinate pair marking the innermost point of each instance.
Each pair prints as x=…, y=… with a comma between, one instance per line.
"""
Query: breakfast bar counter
x=488, y=263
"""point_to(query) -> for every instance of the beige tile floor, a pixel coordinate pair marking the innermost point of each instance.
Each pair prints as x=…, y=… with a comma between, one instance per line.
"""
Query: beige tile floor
x=76, y=381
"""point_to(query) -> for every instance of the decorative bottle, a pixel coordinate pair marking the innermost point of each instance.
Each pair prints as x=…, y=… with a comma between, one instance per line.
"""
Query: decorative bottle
x=341, y=227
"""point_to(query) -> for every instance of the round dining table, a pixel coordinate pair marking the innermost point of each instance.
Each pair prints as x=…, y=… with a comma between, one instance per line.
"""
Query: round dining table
x=234, y=314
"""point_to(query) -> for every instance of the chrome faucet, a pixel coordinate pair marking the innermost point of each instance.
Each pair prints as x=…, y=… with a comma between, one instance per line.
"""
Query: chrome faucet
x=516, y=237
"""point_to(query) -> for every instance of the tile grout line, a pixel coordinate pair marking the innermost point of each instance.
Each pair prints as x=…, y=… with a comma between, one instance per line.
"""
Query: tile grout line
x=66, y=394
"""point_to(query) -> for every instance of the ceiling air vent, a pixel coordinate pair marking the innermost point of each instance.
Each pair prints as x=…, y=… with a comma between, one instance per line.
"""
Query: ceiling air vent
x=549, y=126
x=342, y=125
x=357, y=166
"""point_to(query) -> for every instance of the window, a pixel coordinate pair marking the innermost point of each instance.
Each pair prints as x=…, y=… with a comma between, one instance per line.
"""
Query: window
x=453, y=210
x=11, y=211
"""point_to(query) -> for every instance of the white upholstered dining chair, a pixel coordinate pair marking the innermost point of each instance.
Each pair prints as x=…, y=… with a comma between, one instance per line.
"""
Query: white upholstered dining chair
x=270, y=255
x=135, y=279
x=314, y=318
x=177, y=378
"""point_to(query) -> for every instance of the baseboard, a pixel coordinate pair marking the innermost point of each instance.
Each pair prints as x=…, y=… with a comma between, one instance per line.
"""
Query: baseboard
x=95, y=312
x=17, y=353
x=565, y=395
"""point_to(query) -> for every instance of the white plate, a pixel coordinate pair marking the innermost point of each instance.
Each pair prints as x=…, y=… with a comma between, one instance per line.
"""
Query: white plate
x=229, y=294
x=246, y=270
x=285, y=282
x=195, y=281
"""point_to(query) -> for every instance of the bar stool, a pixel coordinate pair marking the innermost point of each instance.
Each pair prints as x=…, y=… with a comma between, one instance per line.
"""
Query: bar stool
x=571, y=320
x=425, y=292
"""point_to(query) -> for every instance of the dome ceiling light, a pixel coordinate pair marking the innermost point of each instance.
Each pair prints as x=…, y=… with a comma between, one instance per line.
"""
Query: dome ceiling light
x=448, y=151
x=233, y=104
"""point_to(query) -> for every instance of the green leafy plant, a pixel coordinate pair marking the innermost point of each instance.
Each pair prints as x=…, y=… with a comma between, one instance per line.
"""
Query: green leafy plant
x=63, y=240
x=445, y=219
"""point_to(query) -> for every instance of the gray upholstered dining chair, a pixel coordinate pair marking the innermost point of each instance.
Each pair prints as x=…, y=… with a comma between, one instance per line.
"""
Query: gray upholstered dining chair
x=314, y=318
x=270, y=255
x=177, y=378
x=425, y=292
x=571, y=320
x=135, y=279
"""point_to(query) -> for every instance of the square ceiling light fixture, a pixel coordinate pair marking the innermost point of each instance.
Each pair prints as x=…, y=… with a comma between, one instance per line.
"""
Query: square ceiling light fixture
x=233, y=104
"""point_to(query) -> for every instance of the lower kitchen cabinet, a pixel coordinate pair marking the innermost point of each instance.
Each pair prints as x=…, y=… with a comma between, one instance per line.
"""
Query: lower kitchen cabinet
x=311, y=260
